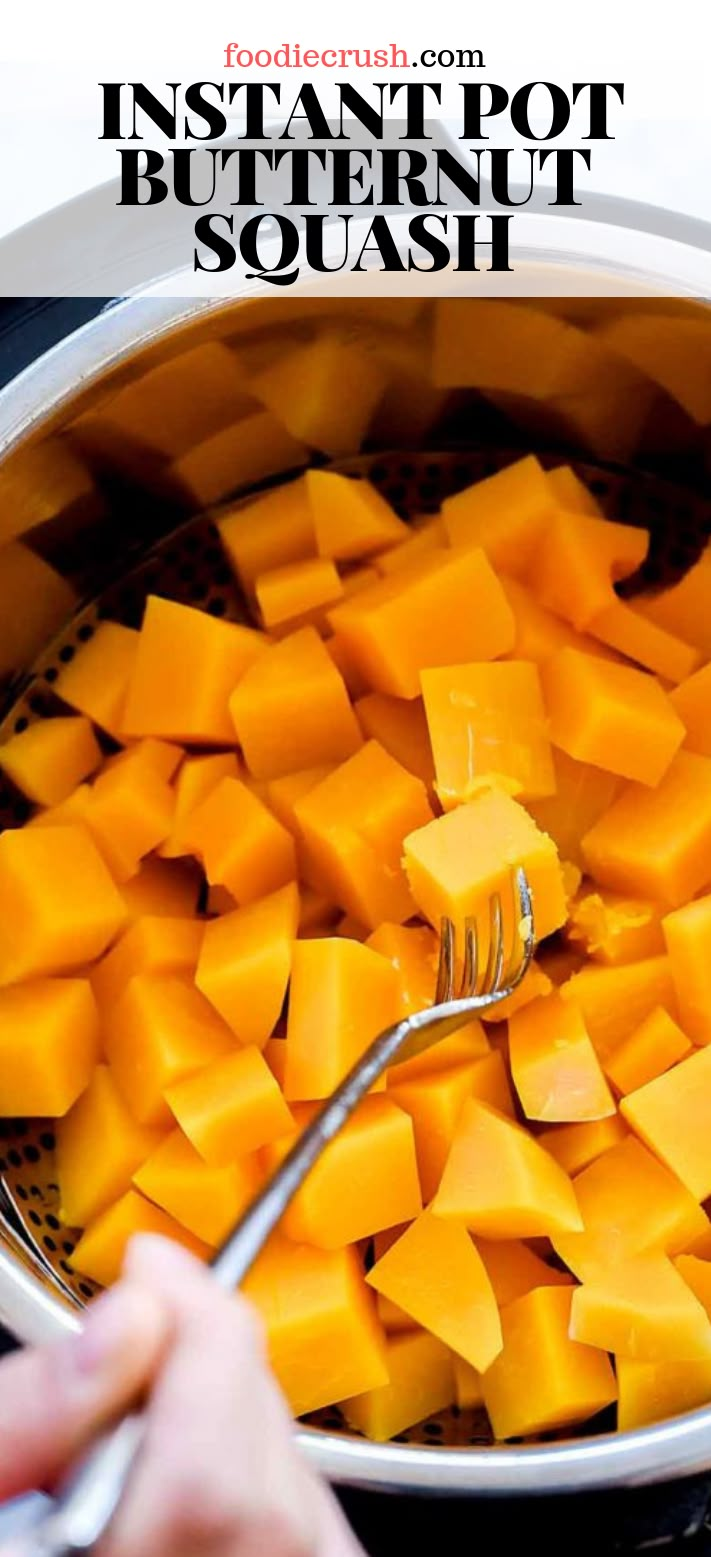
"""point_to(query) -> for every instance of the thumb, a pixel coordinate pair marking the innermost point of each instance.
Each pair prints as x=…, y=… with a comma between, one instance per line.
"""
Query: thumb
x=53, y=1400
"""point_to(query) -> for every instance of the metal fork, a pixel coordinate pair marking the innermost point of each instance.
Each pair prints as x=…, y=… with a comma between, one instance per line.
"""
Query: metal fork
x=79, y=1515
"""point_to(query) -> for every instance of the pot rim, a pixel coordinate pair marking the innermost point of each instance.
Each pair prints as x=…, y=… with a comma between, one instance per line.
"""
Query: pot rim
x=666, y=1451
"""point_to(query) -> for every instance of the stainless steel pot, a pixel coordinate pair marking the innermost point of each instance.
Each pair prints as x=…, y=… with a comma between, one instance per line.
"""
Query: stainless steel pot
x=72, y=471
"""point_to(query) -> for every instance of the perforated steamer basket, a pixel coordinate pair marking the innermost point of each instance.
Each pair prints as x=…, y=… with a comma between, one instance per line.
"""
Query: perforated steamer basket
x=127, y=531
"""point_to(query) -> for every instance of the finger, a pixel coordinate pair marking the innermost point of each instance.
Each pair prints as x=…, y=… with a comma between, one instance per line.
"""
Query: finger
x=219, y=1473
x=53, y=1400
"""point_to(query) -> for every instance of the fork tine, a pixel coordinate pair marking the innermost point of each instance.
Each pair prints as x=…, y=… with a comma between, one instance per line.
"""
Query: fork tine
x=495, y=958
x=471, y=959
x=445, y=968
x=525, y=915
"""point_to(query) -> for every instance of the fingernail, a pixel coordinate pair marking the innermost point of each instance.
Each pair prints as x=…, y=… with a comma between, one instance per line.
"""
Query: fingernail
x=113, y=1323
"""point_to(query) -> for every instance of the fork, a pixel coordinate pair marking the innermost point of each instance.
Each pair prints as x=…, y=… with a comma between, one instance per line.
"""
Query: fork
x=79, y=1515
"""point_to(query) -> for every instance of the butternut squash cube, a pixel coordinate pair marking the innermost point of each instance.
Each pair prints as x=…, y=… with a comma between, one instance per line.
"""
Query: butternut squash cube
x=500, y=1183
x=160, y=757
x=162, y=889
x=60, y=907
x=504, y=514
x=671, y=1113
x=160, y=1030
x=487, y=723
x=49, y=1044
x=614, y=929
x=197, y=778
x=365, y=1180
x=490, y=1084
x=697, y=1275
x=686, y=933
x=539, y=633
x=99, y=1148
x=631, y=1204
x=652, y=1391
x=129, y=813
x=269, y=531
x=342, y=995
x=543, y=1380
x=692, y=701
x=447, y=609
x=291, y=710
x=614, y=1000
x=305, y=389
x=245, y=962
x=191, y=708
x=96, y=680
x=434, y=1103
x=621, y=627
x=642, y=1308
x=424, y=538
x=100, y=1251
x=351, y=518
x=247, y=452
x=435, y=1273
x=283, y=796
x=683, y=608
x=657, y=842
x=153, y=944
x=413, y=951
x=575, y=1146
x=582, y=795
x=50, y=758
x=241, y=845
x=231, y=1108
x=401, y=727
x=353, y=824
x=577, y=561
x=612, y=716
x=555, y=1069
x=572, y=493
x=456, y=862
x=421, y=1383
x=513, y=1269
x=297, y=592
x=653, y=1047
x=208, y=1201
x=467, y=1385
x=314, y=1303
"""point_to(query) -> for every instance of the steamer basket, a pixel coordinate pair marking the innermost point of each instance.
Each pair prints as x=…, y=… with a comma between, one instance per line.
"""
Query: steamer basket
x=110, y=523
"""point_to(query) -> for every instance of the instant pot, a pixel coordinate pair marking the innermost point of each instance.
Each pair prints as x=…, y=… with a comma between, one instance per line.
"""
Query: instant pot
x=82, y=491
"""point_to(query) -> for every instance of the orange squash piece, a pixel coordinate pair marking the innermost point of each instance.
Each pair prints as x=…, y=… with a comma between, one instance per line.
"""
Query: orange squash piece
x=534, y=985
x=543, y=1380
x=422, y=539
x=620, y=627
x=48, y=600
x=96, y=680
x=435, y=1273
x=160, y=1030
x=582, y=795
x=291, y=710
x=401, y=727
x=245, y=962
x=270, y=531
x=393, y=1319
x=653, y=1391
x=504, y=514
x=100, y=1251
x=683, y=608
x=365, y=1180
x=555, y=1069
x=48, y=760
x=657, y=842
x=434, y=1102
x=692, y=701
x=671, y=1115
x=571, y=493
x=577, y=561
x=614, y=929
x=99, y=1148
x=129, y=813
x=467, y=1385
x=60, y=907
x=457, y=861
x=447, y=609
x=163, y=888
x=612, y=716
x=686, y=933
x=575, y=1146
x=198, y=776
x=539, y=633
x=297, y=592
x=239, y=456
x=614, y=1000
x=160, y=757
x=241, y=845
x=421, y=1382
x=642, y=1308
x=154, y=944
x=192, y=708
x=304, y=388
x=208, y=1201
x=49, y=1044
x=490, y=1084
x=487, y=723
x=500, y=1183
x=283, y=796
x=341, y=989
x=231, y=1108
x=653, y=1047
x=315, y=1307
x=413, y=951
x=631, y=1204
x=351, y=519
x=697, y=1275
x=353, y=824
x=513, y=1269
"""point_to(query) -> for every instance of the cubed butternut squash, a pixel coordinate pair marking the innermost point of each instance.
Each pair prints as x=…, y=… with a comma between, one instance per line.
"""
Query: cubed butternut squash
x=240, y=843
x=500, y=1183
x=50, y=758
x=612, y=716
x=351, y=519
x=342, y=995
x=245, y=962
x=421, y=1382
x=96, y=679
x=207, y=1200
x=544, y=1380
x=555, y=1069
x=100, y=1251
x=574, y=1146
x=686, y=933
x=60, y=906
x=304, y=388
x=614, y=929
x=291, y=709
x=401, y=727
x=192, y=708
x=642, y=1308
x=487, y=723
x=653, y=1047
x=619, y=626
x=657, y=842
x=231, y=1108
x=671, y=1114
x=49, y=1044
x=652, y=1391
x=582, y=795
x=160, y=1030
x=99, y=1148
x=153, y=944
x=504, y=514
x=269, y=531
x=296, y=593
x=614, y=1000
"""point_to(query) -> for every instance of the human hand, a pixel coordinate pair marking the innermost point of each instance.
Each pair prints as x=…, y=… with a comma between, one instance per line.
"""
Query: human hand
x=219, y=1474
